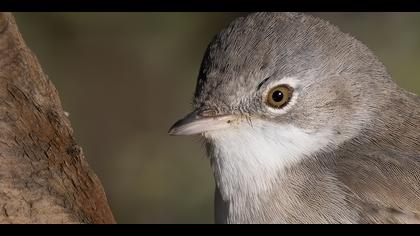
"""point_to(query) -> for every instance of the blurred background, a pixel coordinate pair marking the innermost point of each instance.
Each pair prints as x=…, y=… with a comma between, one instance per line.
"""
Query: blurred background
x=126, y=77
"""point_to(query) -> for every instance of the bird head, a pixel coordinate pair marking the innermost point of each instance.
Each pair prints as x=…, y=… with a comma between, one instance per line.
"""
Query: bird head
x=281, y=71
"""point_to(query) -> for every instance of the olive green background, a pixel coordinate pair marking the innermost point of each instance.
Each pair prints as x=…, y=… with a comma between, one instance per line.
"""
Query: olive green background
x=126, y=77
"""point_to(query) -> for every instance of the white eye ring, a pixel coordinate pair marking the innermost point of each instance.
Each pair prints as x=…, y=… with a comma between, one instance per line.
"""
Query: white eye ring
x=290, y=82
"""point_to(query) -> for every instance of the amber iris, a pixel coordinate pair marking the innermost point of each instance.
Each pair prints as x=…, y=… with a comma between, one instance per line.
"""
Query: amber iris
x=279, y=96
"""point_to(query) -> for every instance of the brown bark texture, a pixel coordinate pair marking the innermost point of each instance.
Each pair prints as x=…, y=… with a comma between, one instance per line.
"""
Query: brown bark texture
x=44, y=177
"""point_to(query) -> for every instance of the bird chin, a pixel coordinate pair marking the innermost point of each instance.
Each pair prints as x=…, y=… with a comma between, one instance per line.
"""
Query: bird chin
x=248, y=158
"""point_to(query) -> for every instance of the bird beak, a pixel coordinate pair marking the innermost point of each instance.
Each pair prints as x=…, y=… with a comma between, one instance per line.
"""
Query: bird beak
x=196, y=124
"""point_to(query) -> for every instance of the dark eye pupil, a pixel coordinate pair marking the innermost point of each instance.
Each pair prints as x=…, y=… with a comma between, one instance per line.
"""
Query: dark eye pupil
x=277, y=96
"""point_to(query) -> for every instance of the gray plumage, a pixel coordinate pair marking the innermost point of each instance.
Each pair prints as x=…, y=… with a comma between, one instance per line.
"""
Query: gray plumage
x=368, y=171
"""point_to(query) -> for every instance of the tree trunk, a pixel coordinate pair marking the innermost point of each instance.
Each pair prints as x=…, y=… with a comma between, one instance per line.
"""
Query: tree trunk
x=44, y=177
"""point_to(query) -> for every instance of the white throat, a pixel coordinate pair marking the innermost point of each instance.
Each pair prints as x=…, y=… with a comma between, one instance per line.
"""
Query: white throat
x=248, y=159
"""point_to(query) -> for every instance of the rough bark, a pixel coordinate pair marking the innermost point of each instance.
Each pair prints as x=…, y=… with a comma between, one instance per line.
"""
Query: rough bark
x=44, y=177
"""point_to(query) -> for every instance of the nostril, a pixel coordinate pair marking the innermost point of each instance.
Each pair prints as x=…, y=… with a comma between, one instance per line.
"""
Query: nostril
x=207, y=112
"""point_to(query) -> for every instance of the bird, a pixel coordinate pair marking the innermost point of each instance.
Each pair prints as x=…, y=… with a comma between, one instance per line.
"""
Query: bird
x=302, y=124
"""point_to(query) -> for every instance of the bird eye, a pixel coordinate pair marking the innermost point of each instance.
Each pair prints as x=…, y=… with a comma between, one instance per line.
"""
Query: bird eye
x=279, y=96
